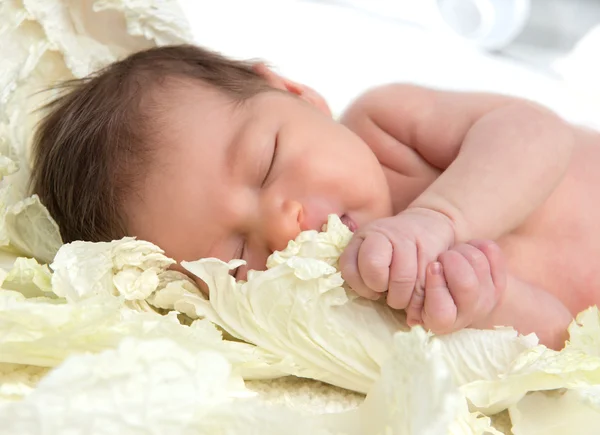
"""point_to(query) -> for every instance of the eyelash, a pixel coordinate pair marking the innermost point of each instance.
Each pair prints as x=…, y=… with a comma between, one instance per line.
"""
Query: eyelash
x=241, y=256
x=272, y=161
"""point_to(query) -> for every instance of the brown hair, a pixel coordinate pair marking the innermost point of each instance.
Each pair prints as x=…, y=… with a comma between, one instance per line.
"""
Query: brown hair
x=93, y=145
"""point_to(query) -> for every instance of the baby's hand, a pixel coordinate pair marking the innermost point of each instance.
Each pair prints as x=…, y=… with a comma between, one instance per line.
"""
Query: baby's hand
x=391, y=255
x=463, y=286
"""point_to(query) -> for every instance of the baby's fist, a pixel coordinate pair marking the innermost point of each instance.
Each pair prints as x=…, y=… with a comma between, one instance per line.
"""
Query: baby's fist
x=463, y=286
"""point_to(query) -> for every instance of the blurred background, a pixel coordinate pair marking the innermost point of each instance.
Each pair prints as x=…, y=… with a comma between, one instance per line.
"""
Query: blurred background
x=545, y=50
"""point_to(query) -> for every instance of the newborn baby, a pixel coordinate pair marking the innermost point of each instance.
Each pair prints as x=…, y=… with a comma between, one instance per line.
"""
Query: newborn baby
x=468, y=209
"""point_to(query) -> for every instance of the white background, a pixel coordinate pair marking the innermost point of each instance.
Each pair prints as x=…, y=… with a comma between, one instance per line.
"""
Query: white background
x=341, y=51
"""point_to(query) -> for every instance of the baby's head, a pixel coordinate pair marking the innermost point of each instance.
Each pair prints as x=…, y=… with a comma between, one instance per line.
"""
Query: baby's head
x=203, y=155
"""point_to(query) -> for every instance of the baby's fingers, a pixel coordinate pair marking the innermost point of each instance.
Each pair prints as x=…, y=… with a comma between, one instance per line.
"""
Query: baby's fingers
x=439, y=311
x=463, y=283
x=374, y=260
x=402, y=291
x=350, y=270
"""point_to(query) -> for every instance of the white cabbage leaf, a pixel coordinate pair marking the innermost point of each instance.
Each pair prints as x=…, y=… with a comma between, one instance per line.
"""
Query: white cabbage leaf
x=31, y=230
x=543, y=369
x=415, y=394
x=127, y=267
x=177, y=292
x=584, y=332
x=29, y=278
x=157, y=385
x=96, y=305
x=475, y=355
x=44, y=331
x=26, y=228
x=89, y=304
x=18, y=380
x=297, y=318
x=142, y=385
x=299, y=310
x=558, y=413
x=159, y=21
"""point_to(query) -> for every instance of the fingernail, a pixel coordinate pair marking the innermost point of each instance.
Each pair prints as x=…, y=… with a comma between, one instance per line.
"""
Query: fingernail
x=436, y=268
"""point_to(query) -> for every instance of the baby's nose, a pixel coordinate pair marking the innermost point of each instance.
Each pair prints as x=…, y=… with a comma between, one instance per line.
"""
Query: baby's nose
x=283, y=225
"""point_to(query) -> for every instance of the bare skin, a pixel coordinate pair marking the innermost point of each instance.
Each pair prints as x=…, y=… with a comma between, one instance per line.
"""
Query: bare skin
x=469, y=210
x=543, y=217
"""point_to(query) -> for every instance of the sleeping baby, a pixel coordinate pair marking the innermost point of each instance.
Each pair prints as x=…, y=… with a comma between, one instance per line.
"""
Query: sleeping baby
x=468, y=209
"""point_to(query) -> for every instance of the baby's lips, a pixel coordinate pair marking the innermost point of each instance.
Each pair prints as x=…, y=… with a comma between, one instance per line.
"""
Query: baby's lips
x=347, y=220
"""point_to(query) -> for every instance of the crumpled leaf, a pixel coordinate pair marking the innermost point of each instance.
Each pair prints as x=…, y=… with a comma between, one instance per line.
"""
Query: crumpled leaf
x=7, y=166
x=325, y=246
x=29, y=278
x=18, y=380
x=475, y=355
x=559, y=413
x=31, y=230
x=4, y=237
x=177, y=292
x=157, y=20
x=43, y=332
x=145, y=385
x=82, y=53
x=127, y=267
x=149, y=385
x=415, y=393
x=542, y=369
x=299, y=311
x=584, y=332
x=26, y=227
x=471, y=423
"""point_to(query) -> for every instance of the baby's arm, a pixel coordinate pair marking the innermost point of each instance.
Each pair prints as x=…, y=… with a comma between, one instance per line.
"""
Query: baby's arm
x=501, y=157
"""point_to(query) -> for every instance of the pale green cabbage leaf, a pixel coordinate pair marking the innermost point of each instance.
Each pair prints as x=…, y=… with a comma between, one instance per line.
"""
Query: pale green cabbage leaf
x=44, y=331
x=149, y=385
x=541, y=369
x=295, y=318
x=557, y=413
x=299, y=310
x=93, y=313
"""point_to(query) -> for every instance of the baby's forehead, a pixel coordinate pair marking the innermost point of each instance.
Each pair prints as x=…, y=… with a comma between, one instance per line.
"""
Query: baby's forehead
x=171, y=109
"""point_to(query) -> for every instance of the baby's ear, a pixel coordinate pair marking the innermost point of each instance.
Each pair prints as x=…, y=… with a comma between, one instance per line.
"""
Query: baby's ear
x=279, y=82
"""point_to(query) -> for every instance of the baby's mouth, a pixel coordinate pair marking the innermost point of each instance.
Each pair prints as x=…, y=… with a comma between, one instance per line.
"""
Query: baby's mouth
x=346, y=220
